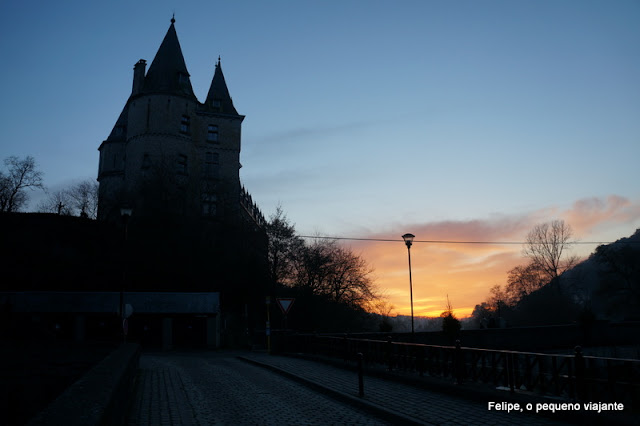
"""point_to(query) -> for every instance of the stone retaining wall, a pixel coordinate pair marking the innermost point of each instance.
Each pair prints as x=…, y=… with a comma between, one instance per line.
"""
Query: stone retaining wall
x=100, y=397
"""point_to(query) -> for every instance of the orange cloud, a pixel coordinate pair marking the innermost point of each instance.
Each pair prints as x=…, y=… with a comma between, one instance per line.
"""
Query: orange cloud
x=465, y=272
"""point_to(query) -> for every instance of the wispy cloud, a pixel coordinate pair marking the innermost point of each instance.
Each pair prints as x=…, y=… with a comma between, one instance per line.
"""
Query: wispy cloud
x=294, y=135
x=589, y=214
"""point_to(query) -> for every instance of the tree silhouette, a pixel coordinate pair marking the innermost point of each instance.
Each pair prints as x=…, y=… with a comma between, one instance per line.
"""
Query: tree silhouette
x=450, y=324
x=22, y=174
x=522, y=281
x=284, y=247
x=545, y=245
x=325, y=268
x=80, y=199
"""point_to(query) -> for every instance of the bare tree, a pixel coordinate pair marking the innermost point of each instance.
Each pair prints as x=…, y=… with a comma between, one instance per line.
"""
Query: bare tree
x=313, y=266
x=284, y=247
x=84, y=198
x=482, y=315
x=22, y=174
x=350, y=279
x=545, y=246
x=56, y=202
x=522, y=281
x=498, y=297
x=80, y=199
x=382, y=309
x=324, y=268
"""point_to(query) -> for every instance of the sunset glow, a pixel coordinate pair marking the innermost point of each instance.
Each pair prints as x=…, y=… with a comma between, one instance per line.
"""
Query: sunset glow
x=466, y=272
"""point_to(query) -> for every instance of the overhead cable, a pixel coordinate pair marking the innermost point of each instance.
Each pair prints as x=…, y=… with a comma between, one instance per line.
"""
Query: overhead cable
x=324, y=237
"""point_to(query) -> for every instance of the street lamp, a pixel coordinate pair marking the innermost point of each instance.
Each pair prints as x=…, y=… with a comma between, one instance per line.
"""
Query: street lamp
x=408, y=240
x=125, y=213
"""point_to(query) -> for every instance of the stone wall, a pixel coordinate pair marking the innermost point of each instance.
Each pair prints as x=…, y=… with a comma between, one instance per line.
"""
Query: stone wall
x=100, y=397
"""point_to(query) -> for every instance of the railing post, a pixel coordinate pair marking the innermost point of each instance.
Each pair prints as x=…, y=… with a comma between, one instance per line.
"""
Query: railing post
x=511, y=372
x=581, y=389
x=360, y=375
x=345, y=346
x=458, y=362
x=420, y=360
x=389, y=347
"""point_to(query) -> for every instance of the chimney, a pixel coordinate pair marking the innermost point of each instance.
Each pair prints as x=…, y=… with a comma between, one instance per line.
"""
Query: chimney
x=138, y=76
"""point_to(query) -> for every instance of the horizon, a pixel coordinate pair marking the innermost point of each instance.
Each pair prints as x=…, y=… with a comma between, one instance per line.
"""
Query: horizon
x=466, y=122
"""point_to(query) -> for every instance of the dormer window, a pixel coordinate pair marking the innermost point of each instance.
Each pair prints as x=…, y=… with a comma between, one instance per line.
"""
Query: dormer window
x=185, y=124
x=217, y=103
x=212, y=133
x=183, y=78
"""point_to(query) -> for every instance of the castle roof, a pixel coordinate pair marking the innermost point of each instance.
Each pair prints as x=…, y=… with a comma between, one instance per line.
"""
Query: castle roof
x=168, y=71
x=118, y=133
x=218, y=98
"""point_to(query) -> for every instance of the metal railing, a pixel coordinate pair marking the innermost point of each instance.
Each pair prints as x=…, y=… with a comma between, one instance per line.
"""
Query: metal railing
x=571, y=377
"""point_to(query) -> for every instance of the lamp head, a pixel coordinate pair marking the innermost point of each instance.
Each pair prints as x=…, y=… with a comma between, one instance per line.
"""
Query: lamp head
x=408, y=239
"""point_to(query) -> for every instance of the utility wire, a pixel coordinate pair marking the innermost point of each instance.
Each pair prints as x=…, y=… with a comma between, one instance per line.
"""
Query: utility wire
x=324, y=237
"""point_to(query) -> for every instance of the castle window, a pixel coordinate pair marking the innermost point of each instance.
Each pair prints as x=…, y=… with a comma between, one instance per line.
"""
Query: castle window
x=209, y=205
x=181, y=165
x=211, y=165
x=212, y=133
x=146, y=162
x=185, y=124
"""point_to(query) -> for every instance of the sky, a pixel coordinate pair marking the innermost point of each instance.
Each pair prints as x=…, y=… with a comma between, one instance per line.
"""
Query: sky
x=452, y=120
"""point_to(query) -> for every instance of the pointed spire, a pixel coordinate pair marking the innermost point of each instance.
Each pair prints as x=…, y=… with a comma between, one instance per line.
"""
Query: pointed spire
x=218, y=98
x=168, y=71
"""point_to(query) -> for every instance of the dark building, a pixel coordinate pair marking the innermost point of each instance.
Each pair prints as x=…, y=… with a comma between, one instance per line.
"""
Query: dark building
x=169, y=154
x=191, y=233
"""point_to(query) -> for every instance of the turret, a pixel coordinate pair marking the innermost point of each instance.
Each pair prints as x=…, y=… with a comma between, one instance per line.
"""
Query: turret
x=218, y=98
x=138, y=76
x=168, y=72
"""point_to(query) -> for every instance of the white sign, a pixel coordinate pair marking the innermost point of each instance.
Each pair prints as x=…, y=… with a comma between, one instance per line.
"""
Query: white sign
x=128, y=310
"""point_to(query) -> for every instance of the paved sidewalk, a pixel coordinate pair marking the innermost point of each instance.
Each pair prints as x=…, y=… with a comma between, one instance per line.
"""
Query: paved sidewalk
x=161, y=399
x=238, y=388
x=396, y=402
x=216, y=388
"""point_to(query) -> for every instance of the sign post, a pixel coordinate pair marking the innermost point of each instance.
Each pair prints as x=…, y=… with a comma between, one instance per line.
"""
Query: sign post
x=285, y=304
x=126, y=313
x=268, y=327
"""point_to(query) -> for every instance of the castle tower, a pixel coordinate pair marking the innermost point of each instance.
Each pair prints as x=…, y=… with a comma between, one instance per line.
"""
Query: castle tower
x=170, y=155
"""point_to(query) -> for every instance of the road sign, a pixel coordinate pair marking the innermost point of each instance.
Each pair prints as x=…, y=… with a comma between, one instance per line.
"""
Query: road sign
x=285, y=304
x=128, y=310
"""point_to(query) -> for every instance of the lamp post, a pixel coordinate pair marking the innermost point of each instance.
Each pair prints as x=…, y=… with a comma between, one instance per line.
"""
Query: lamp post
x=408, y=240
x=125, y=213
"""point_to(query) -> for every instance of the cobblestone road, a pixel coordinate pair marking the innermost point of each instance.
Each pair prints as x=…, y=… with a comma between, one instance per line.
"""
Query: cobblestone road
x=248, y=388
x=217, y=388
